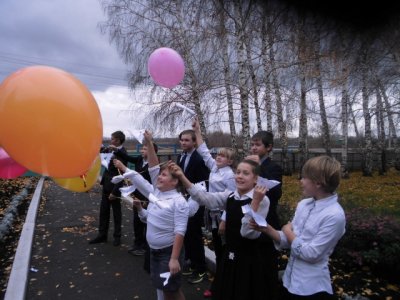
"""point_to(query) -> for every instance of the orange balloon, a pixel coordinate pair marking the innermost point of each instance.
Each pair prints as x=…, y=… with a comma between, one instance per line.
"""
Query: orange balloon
x=82, y=183
x=50, y=122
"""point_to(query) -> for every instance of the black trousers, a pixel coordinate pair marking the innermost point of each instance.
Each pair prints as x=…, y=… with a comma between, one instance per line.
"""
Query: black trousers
x=139, y=229
x=105, y=210
x=193, y=242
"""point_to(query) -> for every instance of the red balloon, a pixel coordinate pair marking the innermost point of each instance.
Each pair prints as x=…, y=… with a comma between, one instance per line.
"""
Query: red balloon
x=9, y=168
x=166, y=67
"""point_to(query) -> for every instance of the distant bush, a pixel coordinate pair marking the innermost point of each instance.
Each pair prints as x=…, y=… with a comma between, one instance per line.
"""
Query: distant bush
x=371, y=241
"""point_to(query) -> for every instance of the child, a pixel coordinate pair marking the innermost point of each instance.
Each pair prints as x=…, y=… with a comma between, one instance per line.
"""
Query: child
x=317, y=226
x=261, y=146
x=239, y=274
x=166, y=224
x=221, y=178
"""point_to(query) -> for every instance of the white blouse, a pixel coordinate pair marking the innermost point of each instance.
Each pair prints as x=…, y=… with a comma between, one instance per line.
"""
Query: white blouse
x=219, y=200
x=220, y=179
x=318, y=226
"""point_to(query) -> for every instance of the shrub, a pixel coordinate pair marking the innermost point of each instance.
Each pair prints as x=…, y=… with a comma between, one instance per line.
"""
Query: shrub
x=371, y=241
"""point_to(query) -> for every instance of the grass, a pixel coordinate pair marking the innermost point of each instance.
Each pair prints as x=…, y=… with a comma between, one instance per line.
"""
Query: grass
x=380, y=193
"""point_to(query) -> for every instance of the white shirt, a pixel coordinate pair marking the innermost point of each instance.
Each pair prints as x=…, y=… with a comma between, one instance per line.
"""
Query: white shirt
x=318, y=226
x=219, y=200
x=220, y=179
x=188, y=155
x=162, y=223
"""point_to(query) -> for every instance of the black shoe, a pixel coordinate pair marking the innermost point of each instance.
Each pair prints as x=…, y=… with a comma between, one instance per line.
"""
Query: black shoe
x=117, y=241
x=196, y=277
x=187, y=271
x=98, y=239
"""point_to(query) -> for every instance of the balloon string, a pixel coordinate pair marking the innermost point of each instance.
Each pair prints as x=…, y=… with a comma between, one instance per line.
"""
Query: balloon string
x=84, y=180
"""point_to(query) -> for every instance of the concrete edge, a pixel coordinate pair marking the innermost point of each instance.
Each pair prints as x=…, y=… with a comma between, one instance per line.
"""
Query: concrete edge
x=18, y=281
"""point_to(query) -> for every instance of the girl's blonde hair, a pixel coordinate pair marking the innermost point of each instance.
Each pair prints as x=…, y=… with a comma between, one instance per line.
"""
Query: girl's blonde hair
x=229, y=153
x=323, y=170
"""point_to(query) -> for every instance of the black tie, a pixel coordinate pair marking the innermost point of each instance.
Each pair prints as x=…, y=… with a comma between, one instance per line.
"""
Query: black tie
x=182, y=162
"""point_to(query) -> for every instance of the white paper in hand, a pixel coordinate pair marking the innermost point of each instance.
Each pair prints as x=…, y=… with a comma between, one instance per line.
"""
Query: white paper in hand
x=166, y=276
x=260, y=220
x=117, y=179
x=105, y=159
x=269, y=184
x=186, y=109
x=127, y=190
x=202, y=185
x=138, y=135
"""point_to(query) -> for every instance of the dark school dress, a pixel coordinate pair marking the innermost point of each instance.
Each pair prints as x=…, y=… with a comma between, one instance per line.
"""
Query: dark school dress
x=239, y=274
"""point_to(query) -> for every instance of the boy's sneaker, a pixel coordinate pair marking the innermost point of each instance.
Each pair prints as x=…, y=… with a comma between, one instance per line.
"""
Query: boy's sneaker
x=187, y=271
x=196, y=277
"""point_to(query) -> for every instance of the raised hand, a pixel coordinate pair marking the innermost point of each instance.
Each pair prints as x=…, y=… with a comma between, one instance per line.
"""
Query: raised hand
x=119, y=165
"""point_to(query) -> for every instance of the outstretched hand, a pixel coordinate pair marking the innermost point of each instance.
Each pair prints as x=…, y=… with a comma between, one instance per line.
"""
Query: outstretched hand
x=119, y=165
x=196, y=124
x=148, y=137
x=175, y=169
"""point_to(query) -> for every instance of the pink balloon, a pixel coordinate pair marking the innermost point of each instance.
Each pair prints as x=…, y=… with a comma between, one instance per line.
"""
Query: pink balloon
x=9, y=168
x=166, y=67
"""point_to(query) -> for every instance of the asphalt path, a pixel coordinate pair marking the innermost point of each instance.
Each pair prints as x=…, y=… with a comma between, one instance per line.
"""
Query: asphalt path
x=65, y=266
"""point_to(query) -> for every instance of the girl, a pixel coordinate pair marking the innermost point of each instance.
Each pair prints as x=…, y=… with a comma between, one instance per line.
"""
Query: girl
x=166, y=218
x=221, y=178
x=239, y=274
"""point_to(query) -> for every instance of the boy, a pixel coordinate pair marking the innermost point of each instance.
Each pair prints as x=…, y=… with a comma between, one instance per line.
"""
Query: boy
x=261, y=146
x=318, y=224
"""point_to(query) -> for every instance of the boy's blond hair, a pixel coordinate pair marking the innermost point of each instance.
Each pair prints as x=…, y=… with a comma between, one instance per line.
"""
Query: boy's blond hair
x=324, y=170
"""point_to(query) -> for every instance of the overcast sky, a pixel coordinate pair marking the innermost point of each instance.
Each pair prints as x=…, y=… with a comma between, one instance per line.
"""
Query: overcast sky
x=65, y=34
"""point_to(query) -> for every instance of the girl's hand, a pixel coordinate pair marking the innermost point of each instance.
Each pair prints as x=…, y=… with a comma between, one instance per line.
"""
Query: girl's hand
x=258, y=196
x=253, y=225
x=174, y=266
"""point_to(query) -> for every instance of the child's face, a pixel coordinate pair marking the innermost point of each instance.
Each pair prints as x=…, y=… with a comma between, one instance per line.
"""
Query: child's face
x=245, y=178
x=222, y=161
x=309, y=187
x=165, y=181
x=143, y=152
x=115, y=142
x=258, y=148
x=187, y=143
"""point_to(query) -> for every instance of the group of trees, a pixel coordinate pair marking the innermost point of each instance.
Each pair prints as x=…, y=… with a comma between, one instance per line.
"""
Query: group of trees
x=265, y=65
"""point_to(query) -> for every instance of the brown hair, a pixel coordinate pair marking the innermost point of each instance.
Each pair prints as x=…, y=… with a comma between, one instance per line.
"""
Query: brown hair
x=323, y=170
x=255, y=167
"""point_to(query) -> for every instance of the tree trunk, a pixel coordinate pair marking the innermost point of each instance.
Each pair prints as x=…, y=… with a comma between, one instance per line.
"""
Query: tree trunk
x=392, y=129
x=345, y=129
x=227, y=74
x=367, y=149
x=380, y=125
x=326, y=139
x=254, y=84
x=279, y=107
x=267, y=83
x=244, y=98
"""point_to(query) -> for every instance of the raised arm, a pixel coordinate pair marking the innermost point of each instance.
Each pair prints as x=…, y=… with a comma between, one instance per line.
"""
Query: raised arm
x=151, y=152
x=202, y=148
